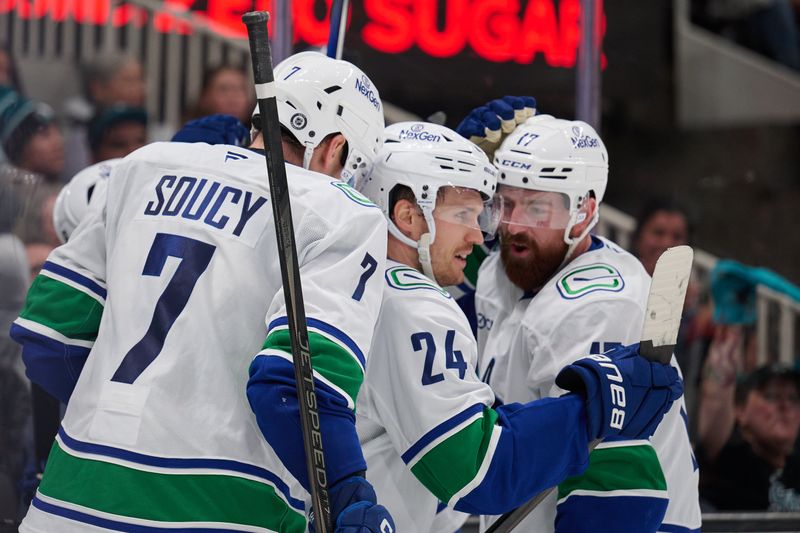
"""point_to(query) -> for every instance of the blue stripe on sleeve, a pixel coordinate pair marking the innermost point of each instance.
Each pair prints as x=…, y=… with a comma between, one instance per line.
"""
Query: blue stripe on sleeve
x=272, y=393
x=546, y=440
x=115, y=525
x=440, y=430
x=611, y=514
x=71, y=275
x=333, y=331
x=172, y=462
x=49, y=363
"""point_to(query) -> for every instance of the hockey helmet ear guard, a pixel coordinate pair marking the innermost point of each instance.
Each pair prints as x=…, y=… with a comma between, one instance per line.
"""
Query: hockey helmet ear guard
x=72, y=202
x=316, y=96
x=547, y=154
x=434, y=162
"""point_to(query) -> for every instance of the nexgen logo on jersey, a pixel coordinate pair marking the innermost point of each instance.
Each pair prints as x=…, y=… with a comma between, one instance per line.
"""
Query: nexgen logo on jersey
x=617, y=392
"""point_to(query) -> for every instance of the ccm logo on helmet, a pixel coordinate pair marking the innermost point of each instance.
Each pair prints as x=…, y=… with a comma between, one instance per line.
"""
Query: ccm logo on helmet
x=364, y=87
x=617, y=392
x=583, y=141
x=515, y=164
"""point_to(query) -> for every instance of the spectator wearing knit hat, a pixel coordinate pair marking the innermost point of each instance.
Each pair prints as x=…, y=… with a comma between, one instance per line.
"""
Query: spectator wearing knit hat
x=29, y=135
x=115, y=131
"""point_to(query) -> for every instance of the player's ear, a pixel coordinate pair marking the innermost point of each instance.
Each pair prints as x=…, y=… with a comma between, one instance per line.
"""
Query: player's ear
x=585, y=216
x=408, y=219
x=330, y=153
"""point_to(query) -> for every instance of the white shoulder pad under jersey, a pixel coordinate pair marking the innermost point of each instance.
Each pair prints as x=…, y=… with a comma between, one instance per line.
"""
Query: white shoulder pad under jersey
x=187, y=235
x=593, y=304
x=420, y=392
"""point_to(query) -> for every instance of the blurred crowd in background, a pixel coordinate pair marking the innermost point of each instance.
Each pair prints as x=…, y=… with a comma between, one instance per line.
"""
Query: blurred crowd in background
x=744, y=417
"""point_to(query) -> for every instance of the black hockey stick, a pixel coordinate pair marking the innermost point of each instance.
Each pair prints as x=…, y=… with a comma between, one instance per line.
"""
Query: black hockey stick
x=338, y=28
x=256, y=22
x=662, y=319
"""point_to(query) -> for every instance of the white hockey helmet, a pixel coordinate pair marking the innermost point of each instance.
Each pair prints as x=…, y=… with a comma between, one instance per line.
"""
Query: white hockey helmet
x=75, y=197
x=555, y=155
x=426, y=158
x=317, y=95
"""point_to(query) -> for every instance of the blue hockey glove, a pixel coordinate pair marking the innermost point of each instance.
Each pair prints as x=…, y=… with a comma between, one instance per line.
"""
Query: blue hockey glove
x=626, y=395
x=354, y=508
x=214, y=129
x=489, y=124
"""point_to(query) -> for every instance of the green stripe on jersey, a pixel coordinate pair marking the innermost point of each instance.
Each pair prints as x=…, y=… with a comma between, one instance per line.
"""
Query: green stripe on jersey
x=453, y=463
x=474, y=261
x=127, y=492
x=54, y=304
x=619, y=468
x=330, y=360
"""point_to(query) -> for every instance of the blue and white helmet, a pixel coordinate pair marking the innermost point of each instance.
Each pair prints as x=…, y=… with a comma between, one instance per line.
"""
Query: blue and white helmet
x=317, y=95
x=555, y=155
x=85, y=190
x=426, y=158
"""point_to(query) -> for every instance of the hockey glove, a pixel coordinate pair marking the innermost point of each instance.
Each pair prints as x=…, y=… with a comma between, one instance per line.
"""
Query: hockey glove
x=214, y=129
x=489, y=124
x=626, y=395
x=354, y=508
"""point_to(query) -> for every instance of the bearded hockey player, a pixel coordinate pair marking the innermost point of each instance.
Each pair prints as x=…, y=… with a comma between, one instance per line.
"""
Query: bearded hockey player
x=551, y=291
x=424, y=418
x=146, y=322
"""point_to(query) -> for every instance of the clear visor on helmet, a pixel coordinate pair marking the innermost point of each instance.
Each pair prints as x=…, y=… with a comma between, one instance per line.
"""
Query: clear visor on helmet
x=467, y=207
x=534, y=209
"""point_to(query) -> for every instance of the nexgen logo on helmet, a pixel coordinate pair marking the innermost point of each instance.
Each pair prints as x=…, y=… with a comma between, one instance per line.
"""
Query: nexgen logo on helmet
x=364, y=86
x=417, y=133
x=579, y=140
x=428, y=158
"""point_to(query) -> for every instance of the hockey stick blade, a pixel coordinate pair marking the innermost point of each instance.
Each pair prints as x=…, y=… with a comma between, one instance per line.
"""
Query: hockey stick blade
x=659, y=333
x=662, y=318
x=256, y=22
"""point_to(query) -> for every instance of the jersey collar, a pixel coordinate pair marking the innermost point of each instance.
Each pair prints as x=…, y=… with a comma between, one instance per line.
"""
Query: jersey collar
x=596, y=244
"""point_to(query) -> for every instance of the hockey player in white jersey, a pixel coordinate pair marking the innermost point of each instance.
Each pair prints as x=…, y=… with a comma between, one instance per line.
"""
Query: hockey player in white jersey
x=147, y=321
x=86, y=190
x=425, y=419
x=552, y=291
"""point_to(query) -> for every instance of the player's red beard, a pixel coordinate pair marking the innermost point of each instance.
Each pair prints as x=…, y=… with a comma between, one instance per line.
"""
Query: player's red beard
x=531, y=272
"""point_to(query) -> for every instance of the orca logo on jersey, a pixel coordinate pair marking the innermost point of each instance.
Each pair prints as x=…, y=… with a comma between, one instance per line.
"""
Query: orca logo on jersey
x=205, y=200
x=617, y=391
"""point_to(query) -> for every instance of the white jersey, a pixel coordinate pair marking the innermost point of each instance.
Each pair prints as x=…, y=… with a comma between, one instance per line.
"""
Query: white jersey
x=419, y=392
x=171, y=284
x=595, y=303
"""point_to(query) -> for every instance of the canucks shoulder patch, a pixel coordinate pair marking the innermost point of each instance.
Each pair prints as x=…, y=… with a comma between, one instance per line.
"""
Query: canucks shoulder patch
x=404, y=278
x=353, y=194
x=590, y=278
